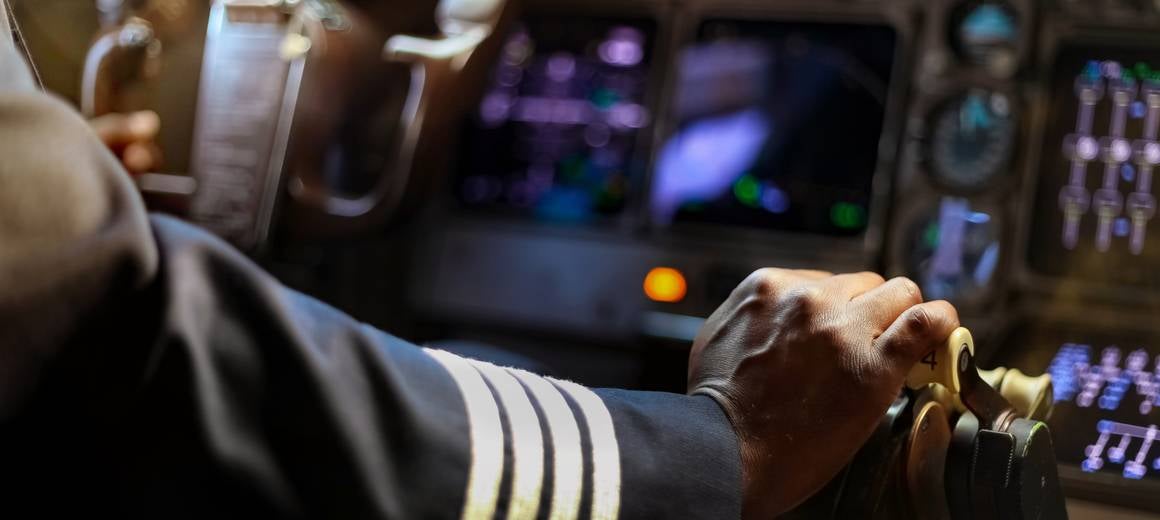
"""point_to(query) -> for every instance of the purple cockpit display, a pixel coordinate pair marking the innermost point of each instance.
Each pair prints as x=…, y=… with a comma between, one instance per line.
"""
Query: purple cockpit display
x=557, y=135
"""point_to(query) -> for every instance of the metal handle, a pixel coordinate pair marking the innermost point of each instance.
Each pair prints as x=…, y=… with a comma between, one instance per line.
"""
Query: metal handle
x=436, y=63
x=98, y=81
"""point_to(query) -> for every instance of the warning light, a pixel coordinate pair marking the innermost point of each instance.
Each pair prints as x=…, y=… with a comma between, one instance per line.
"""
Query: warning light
x=665, y=284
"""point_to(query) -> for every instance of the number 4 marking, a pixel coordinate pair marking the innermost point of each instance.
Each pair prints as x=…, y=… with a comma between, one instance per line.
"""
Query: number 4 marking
x=930, y=360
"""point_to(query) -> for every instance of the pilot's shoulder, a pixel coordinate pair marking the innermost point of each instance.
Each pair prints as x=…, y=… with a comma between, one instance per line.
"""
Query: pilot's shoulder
x=57, y=182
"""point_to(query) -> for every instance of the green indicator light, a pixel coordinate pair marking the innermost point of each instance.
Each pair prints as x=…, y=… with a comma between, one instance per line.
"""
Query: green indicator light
x=1145, y=73
x=931, y=235
x=747, y=191
x=604, y=98
x=846, y=215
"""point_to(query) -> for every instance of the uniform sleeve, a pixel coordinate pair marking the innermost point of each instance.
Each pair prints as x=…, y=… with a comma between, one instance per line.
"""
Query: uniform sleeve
x=148, y=370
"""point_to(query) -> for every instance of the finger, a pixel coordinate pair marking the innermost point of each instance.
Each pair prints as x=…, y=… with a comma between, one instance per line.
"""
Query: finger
x=916, y=332
x=140, y=157
x=848, y=286
x=883, y=304
x=122, y=129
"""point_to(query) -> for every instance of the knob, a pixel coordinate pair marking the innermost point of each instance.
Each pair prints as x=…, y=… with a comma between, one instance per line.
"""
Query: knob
x=993, y=377
x=942, y=364
x=1031, y=396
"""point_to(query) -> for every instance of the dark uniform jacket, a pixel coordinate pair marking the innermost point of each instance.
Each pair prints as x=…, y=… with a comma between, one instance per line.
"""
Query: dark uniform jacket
x=148, y=370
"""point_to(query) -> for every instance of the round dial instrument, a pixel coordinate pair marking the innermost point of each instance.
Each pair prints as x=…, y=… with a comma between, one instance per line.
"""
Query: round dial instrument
x=986, y=33
x=971, y=140
x=953, y=251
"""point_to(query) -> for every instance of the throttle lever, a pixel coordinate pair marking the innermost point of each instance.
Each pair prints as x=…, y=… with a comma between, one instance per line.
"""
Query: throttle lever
x=993, y=411
x=952, y=365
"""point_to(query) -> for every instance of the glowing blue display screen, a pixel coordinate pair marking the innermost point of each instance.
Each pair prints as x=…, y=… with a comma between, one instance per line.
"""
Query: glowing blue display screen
x=1109, y=394
x=777, y=126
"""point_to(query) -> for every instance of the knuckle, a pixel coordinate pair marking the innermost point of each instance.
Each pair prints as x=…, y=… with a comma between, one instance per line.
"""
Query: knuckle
x=877, y=278
x=919, y=322
x=948, y=311
x=765, y=281
x=806, y=299
x=910, y=288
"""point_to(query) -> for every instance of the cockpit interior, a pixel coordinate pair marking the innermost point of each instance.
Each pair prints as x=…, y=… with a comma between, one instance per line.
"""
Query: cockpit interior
x=573, y=186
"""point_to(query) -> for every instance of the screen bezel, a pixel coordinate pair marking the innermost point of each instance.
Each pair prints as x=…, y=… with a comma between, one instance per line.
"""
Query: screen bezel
x=694, y=226
x=869, y=242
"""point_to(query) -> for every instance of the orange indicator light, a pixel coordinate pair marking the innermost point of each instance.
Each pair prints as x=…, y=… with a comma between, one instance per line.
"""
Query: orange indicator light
x=665, y=284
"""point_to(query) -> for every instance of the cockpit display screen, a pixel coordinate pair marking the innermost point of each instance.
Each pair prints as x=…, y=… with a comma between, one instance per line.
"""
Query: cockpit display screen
x=777, y=126
x=557, y=134
x=1107, y=401
x=1094, y=208
x=1113, y=388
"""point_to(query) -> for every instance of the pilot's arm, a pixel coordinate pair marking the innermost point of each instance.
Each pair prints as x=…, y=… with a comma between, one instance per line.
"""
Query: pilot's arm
x=147, y=370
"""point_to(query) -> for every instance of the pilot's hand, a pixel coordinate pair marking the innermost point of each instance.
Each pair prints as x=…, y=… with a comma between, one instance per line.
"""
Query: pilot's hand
x=132, y=138
x=805, y=364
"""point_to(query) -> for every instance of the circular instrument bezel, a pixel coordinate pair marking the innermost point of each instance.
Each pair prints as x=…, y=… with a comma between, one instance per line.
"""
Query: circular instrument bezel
x=997, y=175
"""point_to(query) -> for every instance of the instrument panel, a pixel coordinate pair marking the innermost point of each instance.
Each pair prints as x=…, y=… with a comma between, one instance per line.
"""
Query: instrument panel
x=937, y=140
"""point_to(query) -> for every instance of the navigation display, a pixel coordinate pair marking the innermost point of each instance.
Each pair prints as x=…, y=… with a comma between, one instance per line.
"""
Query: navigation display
x=777, y=127
x=556, y=134
x=1094, y=203
x=1107, y=400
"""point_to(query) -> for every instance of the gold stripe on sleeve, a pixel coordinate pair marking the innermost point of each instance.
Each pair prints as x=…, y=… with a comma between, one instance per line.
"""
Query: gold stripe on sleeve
x=485, y=433
x=527, y=442
x=605, y=451
x=567, y=458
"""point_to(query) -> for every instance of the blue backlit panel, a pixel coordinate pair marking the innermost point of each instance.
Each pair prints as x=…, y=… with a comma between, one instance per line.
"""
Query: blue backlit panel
x=1106, y=409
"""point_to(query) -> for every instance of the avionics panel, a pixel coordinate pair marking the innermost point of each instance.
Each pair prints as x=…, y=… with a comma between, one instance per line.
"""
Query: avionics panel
x=777, y=126
x=557, y=134
x=1106, y=421
x=1094, y=207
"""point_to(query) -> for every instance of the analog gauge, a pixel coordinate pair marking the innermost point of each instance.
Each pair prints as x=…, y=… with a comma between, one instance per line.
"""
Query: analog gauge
x=953, y=251
x=986, y=34
x=971, y=140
